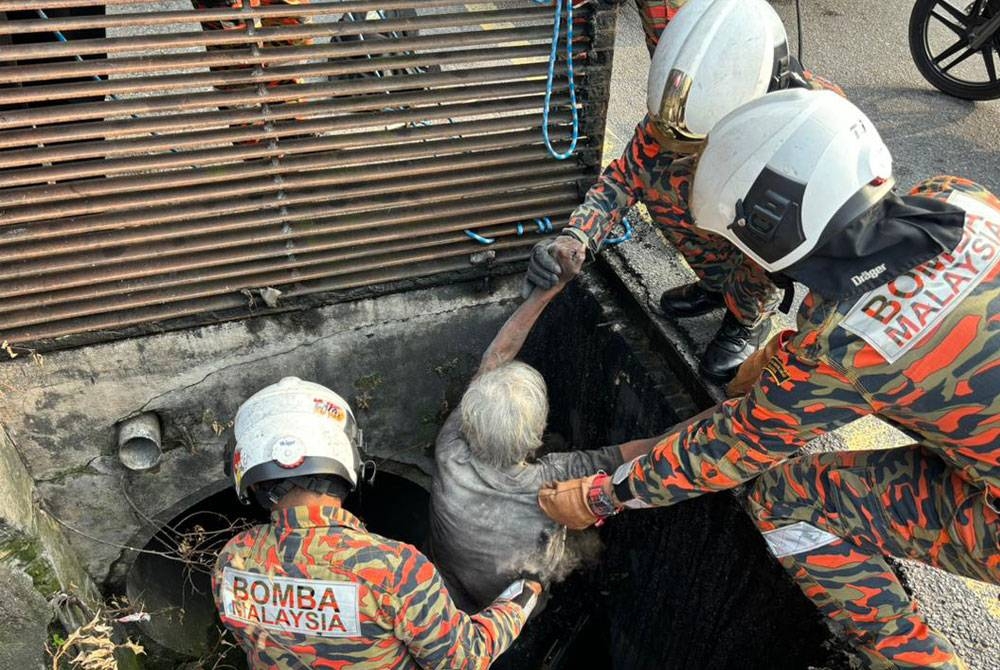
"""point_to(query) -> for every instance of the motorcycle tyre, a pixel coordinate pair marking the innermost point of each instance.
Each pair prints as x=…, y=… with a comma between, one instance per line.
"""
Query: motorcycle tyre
x=923, y=60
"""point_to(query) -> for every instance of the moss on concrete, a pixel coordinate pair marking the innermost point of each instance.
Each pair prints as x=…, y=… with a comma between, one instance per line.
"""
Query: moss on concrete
x=21, y=552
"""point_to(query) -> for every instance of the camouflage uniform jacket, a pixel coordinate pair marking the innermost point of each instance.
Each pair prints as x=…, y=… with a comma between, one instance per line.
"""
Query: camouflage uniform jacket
x=922, y=352
x=314, y=589
x=648, y=172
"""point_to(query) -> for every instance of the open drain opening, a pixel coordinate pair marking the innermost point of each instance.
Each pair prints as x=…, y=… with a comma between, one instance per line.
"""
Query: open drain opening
x=687, y=587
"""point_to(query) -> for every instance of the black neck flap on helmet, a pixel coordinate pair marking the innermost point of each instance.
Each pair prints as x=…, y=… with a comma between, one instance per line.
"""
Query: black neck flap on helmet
x=888, y=239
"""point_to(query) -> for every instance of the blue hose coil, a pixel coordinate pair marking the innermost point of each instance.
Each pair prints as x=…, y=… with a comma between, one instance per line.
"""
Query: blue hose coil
x=625, y=237
x=552, y=75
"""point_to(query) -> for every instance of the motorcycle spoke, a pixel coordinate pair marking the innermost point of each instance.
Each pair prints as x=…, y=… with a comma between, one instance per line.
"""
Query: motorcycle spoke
x=991, y=68
x=958, y=30
x=950, y=51
x=961, y=59
x=956, y=13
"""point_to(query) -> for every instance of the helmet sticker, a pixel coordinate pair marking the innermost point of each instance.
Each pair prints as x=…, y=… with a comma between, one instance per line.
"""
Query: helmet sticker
x=328, y=409
x=238, y=466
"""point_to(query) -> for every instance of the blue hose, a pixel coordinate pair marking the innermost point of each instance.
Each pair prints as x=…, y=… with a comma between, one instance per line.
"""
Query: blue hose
x=625, y=237
x=552, y=75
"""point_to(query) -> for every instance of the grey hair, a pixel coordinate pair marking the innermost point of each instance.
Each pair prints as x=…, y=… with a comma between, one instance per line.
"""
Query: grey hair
x=504, y=413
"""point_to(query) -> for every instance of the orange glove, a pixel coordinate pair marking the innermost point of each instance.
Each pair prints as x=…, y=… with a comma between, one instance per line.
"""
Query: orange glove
x=752, y=367
x=566, y=502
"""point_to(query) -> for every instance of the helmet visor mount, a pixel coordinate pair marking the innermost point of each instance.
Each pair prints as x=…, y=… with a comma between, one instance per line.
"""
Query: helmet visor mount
x=769, y=218
x=674, y=135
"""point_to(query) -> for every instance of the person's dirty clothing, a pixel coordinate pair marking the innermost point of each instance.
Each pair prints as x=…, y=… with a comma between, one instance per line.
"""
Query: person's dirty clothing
x=656, y=14
x=486, y=527
x=237, y=24
x=939, y=324
x=314, y=589
x=829, y=518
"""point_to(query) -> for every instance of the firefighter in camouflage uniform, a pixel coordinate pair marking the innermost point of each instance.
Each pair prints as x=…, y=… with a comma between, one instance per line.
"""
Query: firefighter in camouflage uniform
x=655, y=15
x=716, y=55
x=901, y=321
x=314, y=589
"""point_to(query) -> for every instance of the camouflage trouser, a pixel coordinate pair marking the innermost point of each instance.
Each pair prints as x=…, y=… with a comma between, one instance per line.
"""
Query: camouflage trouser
x=655, y=15
x=831, y=518
x=749, y=293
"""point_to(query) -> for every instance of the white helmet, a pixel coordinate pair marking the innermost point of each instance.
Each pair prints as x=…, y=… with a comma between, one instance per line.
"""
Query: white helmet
x=712, y=57
x=292, y=429
x=784, y=173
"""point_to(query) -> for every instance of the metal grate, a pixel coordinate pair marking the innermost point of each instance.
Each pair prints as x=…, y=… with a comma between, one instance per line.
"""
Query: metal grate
x=162, y=162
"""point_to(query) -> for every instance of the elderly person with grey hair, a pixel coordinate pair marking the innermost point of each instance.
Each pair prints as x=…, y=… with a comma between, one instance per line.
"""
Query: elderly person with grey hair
x=486, y=526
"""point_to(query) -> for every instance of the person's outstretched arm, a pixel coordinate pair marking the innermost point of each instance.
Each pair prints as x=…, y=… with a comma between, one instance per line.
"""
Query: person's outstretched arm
x=511, y=336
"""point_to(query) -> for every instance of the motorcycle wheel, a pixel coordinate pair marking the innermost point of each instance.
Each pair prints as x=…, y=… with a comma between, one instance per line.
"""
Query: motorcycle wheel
x=956, y=69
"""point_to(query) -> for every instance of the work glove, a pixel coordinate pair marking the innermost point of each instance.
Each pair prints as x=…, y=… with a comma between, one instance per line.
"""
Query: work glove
x=524, y=592
x=752, y=367
x=553, y=262
x=567, y=503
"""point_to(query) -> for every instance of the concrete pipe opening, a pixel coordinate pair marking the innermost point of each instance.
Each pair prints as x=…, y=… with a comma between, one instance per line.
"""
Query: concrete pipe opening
x=139, y=438
x=685, y=587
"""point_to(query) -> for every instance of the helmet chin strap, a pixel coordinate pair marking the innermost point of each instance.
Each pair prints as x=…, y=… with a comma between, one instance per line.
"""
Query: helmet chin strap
x=669, y=141
x=787, y=286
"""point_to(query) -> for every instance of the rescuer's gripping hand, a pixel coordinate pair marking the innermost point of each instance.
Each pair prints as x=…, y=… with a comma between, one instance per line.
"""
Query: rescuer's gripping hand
x=553, y=263
x=524, y=592
x=577, y=503
x=752, y=367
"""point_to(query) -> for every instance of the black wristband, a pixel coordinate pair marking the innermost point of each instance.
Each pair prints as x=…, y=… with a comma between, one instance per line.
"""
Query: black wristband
x=623, y=492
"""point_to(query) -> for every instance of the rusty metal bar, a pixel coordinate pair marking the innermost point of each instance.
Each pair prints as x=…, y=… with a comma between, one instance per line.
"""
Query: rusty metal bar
x=64, y=228
x=174, y=179
x=314, y=216
x=202, y=120
x=269, y=96
x=158, y=182
x=175, y=142
x=216, y=264
x=201, y=38
x=252, y=76
x=291, y=188
x=326, y=220
x=222, y=155
x=275, y=55
x=64, y=23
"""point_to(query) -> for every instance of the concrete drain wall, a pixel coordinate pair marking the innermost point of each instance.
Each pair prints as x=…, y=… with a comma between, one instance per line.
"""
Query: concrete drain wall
x=689, y=587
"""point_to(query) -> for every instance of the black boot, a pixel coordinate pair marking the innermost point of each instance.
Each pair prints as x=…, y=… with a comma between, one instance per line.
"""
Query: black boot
x=732, y=345
x=690, y=300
